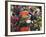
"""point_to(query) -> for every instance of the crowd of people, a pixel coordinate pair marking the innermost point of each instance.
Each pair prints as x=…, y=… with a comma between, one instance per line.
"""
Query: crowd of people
x=25, y=18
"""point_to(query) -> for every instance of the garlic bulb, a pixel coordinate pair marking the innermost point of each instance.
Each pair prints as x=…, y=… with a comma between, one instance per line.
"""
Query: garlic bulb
x=28, y=21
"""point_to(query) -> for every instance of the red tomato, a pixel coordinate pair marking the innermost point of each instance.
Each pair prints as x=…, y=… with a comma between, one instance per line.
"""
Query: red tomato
x=24, y=13
x=24, y=29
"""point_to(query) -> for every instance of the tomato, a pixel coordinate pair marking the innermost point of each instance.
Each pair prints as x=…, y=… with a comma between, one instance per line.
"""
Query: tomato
x=24, y=28
x=24, y=13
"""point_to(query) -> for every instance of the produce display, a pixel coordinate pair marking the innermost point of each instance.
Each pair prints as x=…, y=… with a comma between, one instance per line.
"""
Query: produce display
x=25, y=18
